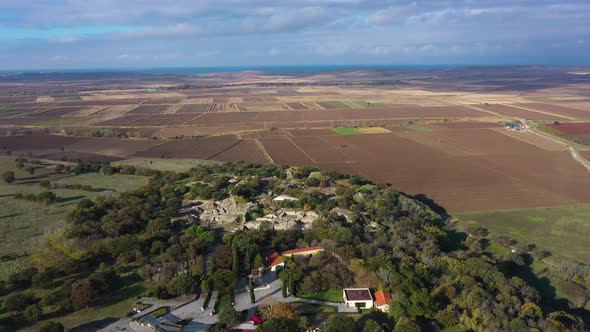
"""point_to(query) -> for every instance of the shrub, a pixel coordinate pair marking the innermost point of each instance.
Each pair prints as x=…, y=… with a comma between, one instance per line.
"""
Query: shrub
x=51, y=326
x=32, y=313
x=8, y=176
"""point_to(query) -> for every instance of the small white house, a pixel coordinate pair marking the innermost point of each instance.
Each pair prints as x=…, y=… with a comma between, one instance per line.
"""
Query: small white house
x=358, y=297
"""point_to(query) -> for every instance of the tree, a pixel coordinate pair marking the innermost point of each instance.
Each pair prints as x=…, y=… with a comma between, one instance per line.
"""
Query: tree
x=291, y=286
x=52, y=326
x=372, y=326
x=30, y=170
x=47, y=197
x=283, y=310
x=258, y=261
x=82, y=294
x=182, y=285
x=235, y=266
x=32, y=313
x=339, y=323
x=228, y=316
x=17, y=301
x=251, y=290
x=284, y=288
x=8, y=176
x=225, y=281
x=405, y=325
x=278, y=325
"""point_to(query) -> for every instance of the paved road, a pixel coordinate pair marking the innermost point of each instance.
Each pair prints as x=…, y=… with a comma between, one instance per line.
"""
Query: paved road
x=123, y=324
x=181, y=309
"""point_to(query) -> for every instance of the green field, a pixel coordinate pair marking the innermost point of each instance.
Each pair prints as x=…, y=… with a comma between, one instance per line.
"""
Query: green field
x=333, y=295
x=359, y=131
x=346, y=131
x=418, y=128
x=174, y=165
x=561, y=230
x=21, y=222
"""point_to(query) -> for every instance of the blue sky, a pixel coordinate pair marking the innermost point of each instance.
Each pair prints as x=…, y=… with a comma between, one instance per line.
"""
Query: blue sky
x=66, y=34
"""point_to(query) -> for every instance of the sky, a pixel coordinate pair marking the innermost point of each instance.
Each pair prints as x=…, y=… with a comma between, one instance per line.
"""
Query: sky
x=70, y=34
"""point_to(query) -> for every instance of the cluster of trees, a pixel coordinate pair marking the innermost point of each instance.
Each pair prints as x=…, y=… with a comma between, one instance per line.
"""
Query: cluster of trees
x=104, y=168
x=316, y=274
x=45, y=197
x=393, y=242
x=49, y=185
x=59, y=297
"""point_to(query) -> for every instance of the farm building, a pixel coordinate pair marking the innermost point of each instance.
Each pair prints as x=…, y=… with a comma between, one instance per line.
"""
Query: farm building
x=303, y=251
x=273, y=260
x=358, y=297
x=382, y=300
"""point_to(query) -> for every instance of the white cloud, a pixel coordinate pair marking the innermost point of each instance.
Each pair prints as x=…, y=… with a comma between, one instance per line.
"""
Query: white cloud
x=177, y=30
x=392, y=13
x=64, y=40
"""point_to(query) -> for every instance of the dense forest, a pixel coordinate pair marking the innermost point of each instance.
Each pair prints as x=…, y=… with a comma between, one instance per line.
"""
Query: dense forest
x=440, y=278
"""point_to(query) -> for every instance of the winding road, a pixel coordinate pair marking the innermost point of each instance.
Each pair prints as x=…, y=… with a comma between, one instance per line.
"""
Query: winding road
x=577, y=157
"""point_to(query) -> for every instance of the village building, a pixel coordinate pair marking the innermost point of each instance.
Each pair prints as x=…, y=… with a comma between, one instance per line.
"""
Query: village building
x=282, y=198
x=303, y=251
x=273, y=260
x=382, y=300
x=256, y=274
x=357, y=297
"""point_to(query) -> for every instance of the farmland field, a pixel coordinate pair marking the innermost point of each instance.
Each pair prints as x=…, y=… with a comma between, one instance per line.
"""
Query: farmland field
x=283, y=151
x=431, y=162
x=557, y=109
x=512, y=111
x=578, y=132
x=148, y=109
x=200, y=148
x=435, y=132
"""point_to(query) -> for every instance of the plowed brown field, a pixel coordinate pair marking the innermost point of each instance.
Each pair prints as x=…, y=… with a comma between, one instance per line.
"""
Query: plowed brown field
x=462, y=169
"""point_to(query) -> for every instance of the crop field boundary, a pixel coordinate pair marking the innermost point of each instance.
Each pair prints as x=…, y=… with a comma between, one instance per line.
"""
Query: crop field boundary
x=224, y=150
x=303, y=151
x=518, y=136
x=542, y=112
x=262, y=150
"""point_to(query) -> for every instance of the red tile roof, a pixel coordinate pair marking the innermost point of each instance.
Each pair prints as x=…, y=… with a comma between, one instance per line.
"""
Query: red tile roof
x=382, y=297
x=300, y=250
x=272, y=259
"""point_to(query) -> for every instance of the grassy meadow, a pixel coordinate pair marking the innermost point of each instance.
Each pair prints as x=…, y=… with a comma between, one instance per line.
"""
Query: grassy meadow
x=21, y=221
x=174, y=165
x=561, y=230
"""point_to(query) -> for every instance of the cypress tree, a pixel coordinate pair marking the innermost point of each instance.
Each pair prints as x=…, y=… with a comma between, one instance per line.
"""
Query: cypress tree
x=284, y=288
x=251, y=288
x=235, y=260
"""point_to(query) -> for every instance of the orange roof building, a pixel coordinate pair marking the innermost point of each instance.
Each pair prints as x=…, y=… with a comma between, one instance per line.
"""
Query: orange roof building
x=303, y=251
x=272, y=260
x=382, y=300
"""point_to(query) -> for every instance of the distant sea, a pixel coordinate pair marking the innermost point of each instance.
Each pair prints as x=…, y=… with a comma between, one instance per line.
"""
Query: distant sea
x=209, y=70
